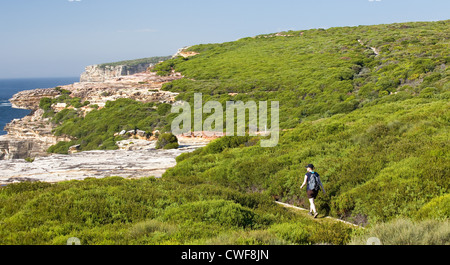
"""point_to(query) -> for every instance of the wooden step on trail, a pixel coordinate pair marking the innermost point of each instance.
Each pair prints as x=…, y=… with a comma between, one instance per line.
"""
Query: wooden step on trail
x=328, y=217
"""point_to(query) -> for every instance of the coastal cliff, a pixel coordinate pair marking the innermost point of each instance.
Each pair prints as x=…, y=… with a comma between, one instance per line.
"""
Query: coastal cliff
x=15, y=148
x=95, y=73
x=144, y=87
x=104, y=72
x=32, y=135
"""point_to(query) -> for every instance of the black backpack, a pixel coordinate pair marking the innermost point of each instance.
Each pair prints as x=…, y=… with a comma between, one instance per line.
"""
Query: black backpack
x=314, y=182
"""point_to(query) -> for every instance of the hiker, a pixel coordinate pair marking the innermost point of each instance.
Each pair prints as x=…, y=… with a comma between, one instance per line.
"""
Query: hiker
x=313, y=184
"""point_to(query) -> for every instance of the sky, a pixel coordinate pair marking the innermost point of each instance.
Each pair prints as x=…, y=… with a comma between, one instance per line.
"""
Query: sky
x=59, y=38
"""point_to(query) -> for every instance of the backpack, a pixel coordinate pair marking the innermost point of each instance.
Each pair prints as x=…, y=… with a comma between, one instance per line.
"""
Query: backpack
x=314, y=182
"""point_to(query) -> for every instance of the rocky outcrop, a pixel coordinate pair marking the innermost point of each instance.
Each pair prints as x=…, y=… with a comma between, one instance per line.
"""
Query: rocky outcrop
x=142, y=161
x=14, y=148
x=183, y=52
x=198, y=137
x=29, y=99
x=32, y=127
x=104, y=72
x=144, y=87
x=32, y=135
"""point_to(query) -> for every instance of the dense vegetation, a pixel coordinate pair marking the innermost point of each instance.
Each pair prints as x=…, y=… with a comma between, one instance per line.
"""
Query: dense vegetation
x=150, y=60
x=96, y=130
x=150, y=211
x=379, y=162
x=322, y=72
x=368, y=105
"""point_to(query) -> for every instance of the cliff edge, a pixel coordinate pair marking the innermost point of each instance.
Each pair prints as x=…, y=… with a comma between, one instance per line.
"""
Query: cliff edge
x=103, y=72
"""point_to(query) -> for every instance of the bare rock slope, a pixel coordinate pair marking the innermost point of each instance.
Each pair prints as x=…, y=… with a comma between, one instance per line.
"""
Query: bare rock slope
x=144, y=161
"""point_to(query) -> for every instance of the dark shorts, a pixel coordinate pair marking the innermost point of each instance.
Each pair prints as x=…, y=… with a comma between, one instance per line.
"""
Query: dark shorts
x=312, y=194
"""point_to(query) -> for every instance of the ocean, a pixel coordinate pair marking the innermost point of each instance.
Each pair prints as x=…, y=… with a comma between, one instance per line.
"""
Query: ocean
x=9, y=87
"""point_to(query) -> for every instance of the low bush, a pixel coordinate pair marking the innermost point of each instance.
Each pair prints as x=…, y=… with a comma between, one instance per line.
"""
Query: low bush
x=294, y=233
x=407, y=232
x=224, y=213
x=438, y=208
x=167, y=141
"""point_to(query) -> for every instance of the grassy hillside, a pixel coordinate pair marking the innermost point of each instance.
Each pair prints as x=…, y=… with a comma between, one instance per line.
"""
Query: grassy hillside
x=316, y=74
x=368, y=105
x=378, y=163
x=376, y=126
x=150, y=211
x=321, y=72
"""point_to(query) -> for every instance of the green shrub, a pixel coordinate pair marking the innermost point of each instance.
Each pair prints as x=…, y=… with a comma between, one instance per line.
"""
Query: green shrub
x=147, y=227
x=294, y=233
x=218, y=145
x=60, y=148
x=225, y=213
x=334, y=233
x=145, y=211
x=164, y=109
x=21, y=187
x=45, y=104
x=171, y=146
x=438, y=208
x=29, y=159
x=254, y=237
x=428, y=92
x=167, y=141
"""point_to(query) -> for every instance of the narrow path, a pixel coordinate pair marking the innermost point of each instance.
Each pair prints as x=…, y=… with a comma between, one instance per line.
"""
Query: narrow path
x=373, y=48
x=328, y=217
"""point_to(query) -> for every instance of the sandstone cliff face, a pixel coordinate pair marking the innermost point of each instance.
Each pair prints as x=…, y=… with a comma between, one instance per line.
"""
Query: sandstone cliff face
x=143, y=87
x=14, y=148
x=97, y=73
x=30, y=136
x=34, y=127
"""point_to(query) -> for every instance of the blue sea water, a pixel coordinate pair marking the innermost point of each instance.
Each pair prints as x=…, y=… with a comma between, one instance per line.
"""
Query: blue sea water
x=9, y=87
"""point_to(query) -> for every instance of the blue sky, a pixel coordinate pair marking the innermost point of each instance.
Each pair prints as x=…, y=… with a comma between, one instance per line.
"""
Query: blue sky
x=58, y=38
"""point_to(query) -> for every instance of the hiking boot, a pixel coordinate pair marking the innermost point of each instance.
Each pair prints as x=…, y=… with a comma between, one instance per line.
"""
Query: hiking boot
x=310, y=213
x=316, y=214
